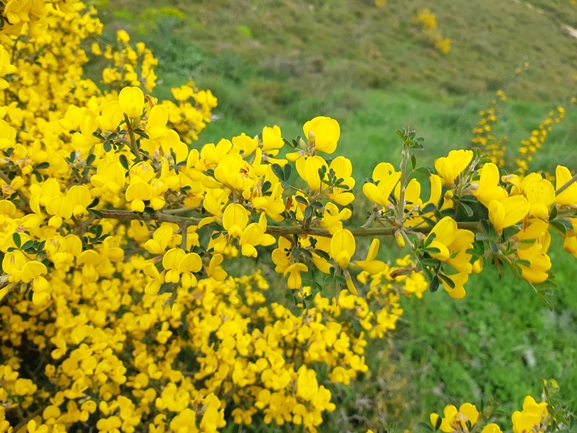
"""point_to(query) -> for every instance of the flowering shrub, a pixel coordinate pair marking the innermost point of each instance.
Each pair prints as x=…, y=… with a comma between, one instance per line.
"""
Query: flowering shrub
x=545, y=416
x=495, y=145
x=428, y=22
x=119, y=308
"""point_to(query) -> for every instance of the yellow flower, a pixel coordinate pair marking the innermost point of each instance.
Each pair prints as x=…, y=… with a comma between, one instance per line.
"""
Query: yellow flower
x=488, y=188
x=569, y=196
x=323, y=134
x=343, y=247
x=131, y=101
x=387, y=178
x=453, y=165
x=308, y=170
x=508, y=212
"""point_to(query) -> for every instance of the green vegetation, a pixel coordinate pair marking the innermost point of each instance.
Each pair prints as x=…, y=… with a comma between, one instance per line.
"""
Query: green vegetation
x=284, y=62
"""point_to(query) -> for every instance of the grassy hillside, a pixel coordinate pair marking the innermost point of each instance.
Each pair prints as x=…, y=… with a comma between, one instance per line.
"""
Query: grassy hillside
x=325, y=46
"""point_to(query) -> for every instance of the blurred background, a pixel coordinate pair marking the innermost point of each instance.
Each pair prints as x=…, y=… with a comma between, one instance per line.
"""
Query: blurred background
x=377, y=66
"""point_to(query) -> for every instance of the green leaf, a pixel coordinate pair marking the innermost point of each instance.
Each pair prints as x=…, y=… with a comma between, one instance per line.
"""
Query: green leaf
x=447, y=280
x=425, y=426
x=278, y=171
x=42, y=166
x=413, y=161
x=481, y=236
x=430, y=239
x=308, y=212
x=287, y=172
x=467, y=209
x=564, y=223
x=430, y=207
x=17, y=240
x=438, y=423
x=90, y=159
x=434, y=284
x=429, y=262
x=142, y=133
x=432, y=250
x=340, y=280
x=423, y=170
x=94, y=203
x=494, y=246
x=27, y=245
x=124, y=161
x=302, y=200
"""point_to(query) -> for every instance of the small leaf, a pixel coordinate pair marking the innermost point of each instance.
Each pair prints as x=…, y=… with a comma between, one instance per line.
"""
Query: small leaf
x=340, y=280
x=468, y=198
x=553, y=213
x=301, y=200
x=438, y=423
x=94, y=203
x=434, y=284
x=17, y=239
x=447, y=280
x=430, y=239
x=278, y=171
x=426, y=426
x=562, y=225
x=90, y=159
x=124, y=161
x=480, y=236
x=287, y=172
x=429, y=262
x=432, y=250
x=494, y=247
x=413, y=161
x=308, y=212
x=142, y=133
x=429, y=207
x=42, y=165
x=324, y=255
x=467, y=209
x=27, y=245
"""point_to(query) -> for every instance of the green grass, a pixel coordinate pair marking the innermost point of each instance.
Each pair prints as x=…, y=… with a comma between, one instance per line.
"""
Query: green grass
x=284, y=62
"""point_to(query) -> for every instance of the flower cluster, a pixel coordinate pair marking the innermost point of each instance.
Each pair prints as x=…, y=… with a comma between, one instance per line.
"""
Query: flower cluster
x=484, y=135
x=538, y=136
x=533, y=418
x=428, y=22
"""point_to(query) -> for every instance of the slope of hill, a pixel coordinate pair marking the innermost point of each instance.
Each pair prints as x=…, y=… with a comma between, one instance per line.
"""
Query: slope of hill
x=319, y=44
